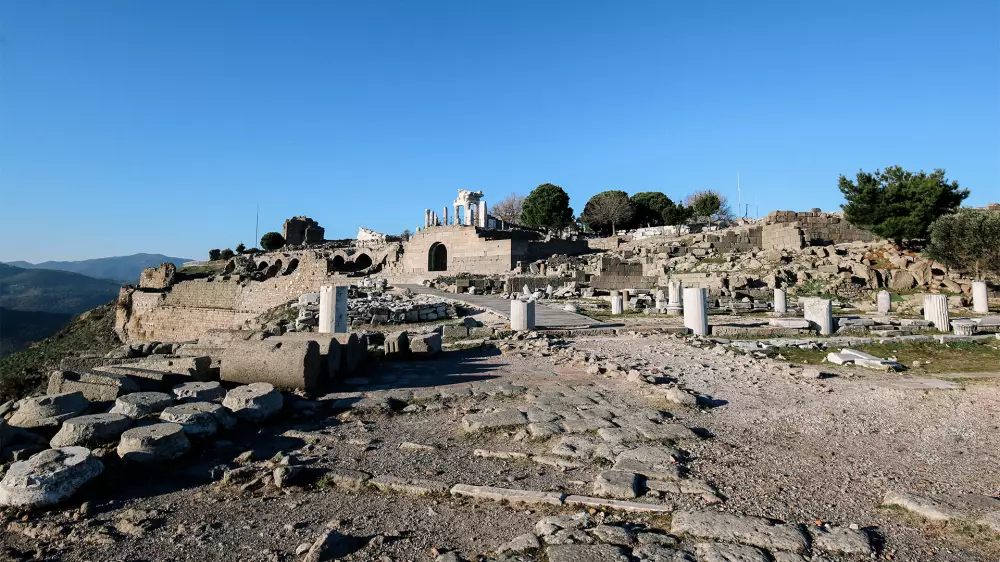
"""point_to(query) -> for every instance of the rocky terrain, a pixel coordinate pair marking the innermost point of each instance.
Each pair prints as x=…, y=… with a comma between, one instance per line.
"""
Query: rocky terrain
x=605, y=447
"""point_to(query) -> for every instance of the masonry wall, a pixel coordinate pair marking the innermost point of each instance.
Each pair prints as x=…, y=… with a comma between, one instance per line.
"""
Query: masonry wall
x=819, y=229
x=468, y=252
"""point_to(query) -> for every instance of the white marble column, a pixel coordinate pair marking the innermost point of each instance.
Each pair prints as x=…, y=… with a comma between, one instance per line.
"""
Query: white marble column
x=427, y=218
x=482, y=214
x=936, y=311
x=458, y=219
x=819, y=312
x=616, y=303
x=884, y=302
x=661, y=300
x=468, y=216
x=333, y=309
x=674, y=305
x=980, y=298
x=522, y=315
x=780, y=301
x=444, y=215
x=696, y=310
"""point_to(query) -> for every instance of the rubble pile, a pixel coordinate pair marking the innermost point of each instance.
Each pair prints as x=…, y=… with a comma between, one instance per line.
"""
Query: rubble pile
x=391, y=307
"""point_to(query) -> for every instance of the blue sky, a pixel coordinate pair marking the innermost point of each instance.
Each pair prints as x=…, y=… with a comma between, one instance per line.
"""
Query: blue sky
x=142, y=126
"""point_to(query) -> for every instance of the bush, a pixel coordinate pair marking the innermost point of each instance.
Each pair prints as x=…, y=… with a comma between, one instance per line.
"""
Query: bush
x=227, y=254
x=899, y=205
x=214, y=254
x=968, y=240
x=272, y=241
x=710, y=205
x=547, y=206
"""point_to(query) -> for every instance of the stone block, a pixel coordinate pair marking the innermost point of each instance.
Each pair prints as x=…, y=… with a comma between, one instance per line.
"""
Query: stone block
x=48, y=477
x=331, y=354
x=95, y=386
x=291, y=365
x=425, y=345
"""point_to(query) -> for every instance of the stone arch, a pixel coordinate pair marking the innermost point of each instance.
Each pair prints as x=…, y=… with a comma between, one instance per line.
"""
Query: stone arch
x=437, y=257
x=292, y=265
x=274, y=269
x=262, y=266
x=362, y=261
x=338, y=262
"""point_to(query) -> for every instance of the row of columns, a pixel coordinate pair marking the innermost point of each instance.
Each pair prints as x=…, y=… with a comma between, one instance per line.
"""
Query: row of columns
x=474, y=214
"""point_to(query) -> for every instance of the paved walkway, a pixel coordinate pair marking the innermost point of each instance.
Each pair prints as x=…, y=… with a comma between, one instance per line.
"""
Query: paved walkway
x=546, y=316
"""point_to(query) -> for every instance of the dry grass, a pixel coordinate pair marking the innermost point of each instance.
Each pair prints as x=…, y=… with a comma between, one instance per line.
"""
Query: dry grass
x=955, y=357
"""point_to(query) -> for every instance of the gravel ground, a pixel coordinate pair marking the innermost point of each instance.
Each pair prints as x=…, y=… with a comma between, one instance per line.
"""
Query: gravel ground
x=780, y=446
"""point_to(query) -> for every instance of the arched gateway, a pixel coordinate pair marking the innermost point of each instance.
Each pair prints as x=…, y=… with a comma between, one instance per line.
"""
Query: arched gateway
x=437, y=257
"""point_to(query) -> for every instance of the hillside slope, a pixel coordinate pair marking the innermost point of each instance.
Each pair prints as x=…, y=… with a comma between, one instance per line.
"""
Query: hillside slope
x=19, y=328
x=46, y=290
x=117, y=268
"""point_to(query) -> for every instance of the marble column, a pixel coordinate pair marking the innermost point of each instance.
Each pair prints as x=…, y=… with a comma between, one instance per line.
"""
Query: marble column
x=333, y=309
x=696, y=310
x=468, y=215
x=884, y=301
x=427, y=218
x=674, y=305
x=661, y=300
x=444, y=215
x=522, y=315
x=458, y=219
x=819, y=312
x=626, y=297
x=780, y=301
x=616, y=303
x=980, y=298
x=482, y=214
x=936, y=311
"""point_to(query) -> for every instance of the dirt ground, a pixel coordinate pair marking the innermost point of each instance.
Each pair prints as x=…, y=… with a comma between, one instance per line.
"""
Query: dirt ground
x=773, y=444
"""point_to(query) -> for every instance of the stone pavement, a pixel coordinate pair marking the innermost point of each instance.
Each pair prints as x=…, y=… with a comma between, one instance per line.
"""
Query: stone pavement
x=546, y=316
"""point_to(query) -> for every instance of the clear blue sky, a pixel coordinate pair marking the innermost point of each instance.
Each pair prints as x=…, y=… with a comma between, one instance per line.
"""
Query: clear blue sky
x=155, y=126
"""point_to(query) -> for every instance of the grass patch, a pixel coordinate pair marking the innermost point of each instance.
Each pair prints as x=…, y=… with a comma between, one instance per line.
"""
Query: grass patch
x=953, y=357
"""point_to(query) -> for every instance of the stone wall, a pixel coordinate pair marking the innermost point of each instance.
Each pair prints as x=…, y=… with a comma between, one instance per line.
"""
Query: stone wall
x=820, y=229
x=158, y=278
x=782, y=236
x=467, y=252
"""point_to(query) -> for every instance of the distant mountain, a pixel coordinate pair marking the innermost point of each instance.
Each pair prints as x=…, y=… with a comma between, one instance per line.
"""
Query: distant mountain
x=118, y=268
x=47, y=290
x=19, y=328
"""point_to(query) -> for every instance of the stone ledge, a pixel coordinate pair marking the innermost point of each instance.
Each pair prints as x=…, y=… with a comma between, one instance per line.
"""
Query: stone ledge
x=507, y=494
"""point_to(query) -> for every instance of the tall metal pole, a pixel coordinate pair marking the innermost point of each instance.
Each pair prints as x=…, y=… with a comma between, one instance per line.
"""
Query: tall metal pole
x=739, y=196
x=256, y=227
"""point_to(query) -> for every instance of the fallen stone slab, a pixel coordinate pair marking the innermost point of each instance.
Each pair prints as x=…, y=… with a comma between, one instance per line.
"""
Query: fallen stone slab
x=968, y=507
x=665, y=431
x=544, y=430
x=657, y=463
x=797, y=323
x=289, y=365
x=141, y=404
x=210, y=391
x=617, y=484
x=754, y=531
x=410, y=486
x=499, y=419
x=558, y=462
x=48, y=477
x=840, y=540
x=585, y=425
x=48, y=411
x=425, y=345
x=576, y=446
x=331, y=359
x=586, y=553
x=153, y=443
x=196, y=421
x=678, y=396
x=520, y=543
x=96, y=429
x=332, y=545
x=163, y=374
x=621, y=505
x=717, y=552
x=509, y=495
x=346, y=478
x=223, y=417
x=95, y=386
x=503, y=455
x=254, y=402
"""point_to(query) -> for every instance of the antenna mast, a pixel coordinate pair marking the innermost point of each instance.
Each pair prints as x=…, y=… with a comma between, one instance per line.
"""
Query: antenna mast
x=256, y=227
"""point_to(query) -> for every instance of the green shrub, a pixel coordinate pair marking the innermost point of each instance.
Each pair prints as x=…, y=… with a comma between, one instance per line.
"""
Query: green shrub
x=272, y=241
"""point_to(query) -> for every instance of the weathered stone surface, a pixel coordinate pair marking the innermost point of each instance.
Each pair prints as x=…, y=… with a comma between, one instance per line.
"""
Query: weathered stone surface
x=353, y=351
x=161, y=374
x=613, y=534
x=153, y=443
x=576, y=446
x=289, y=365
x=411, y=486
x=717, y=552
x=210, y=391
x=520, y=543
x=331, y=545
x=195, y=420
x=840, y=540
x=755, y=531
x=586, y=553
x=658, y=463
x=254, y=402
x=346, y=478
x=48, y=477
x=507, y=417
x=621, y=505
x=544, y=430
x=95, y=386
x=942, y=508
x=617, y=484
x=507, y=494
x=331, y=356
x=96, y=429
x=678, y=396
x=141, y=404
x=660, y=553
x=48, y=411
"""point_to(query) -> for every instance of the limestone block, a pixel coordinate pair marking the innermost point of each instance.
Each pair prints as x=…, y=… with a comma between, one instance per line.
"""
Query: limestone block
x=199, y=392
x=819, y=313
x=884, y=302
x=425, y=345
x=141, y=404
x=48, y=477
x=617, y=484
x=331, y=355
x=194, y=420
x=755, y=531
x=292, y=365
x=353, y=351
x=95, y=386
x=153, y=443
x=333, y=309
x=96, y=429
x=254, y=402
x=522, y=315
x=48, y=411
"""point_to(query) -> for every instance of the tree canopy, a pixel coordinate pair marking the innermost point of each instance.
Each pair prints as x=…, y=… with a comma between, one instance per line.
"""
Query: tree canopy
x=607, y=211
x=898, y=204
x=709, y=204
x=509, y=208
x=968, y=240
x=272, y=241
x=547, y=206
x=649, y=208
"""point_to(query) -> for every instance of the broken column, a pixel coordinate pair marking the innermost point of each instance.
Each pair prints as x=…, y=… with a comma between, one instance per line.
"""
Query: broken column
x=332, y=309
x=616, y=303
x=661, y=300
x=287, y=365
x=884, y=302
x=819, y=312
x=696, y=310
x=522, y=315
x=482, y=214
x=626, y=298
x=980, y=298
x=936, y=311
x=780, y=301
x=427, y=218
x=674, y=305
x=444, y=215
